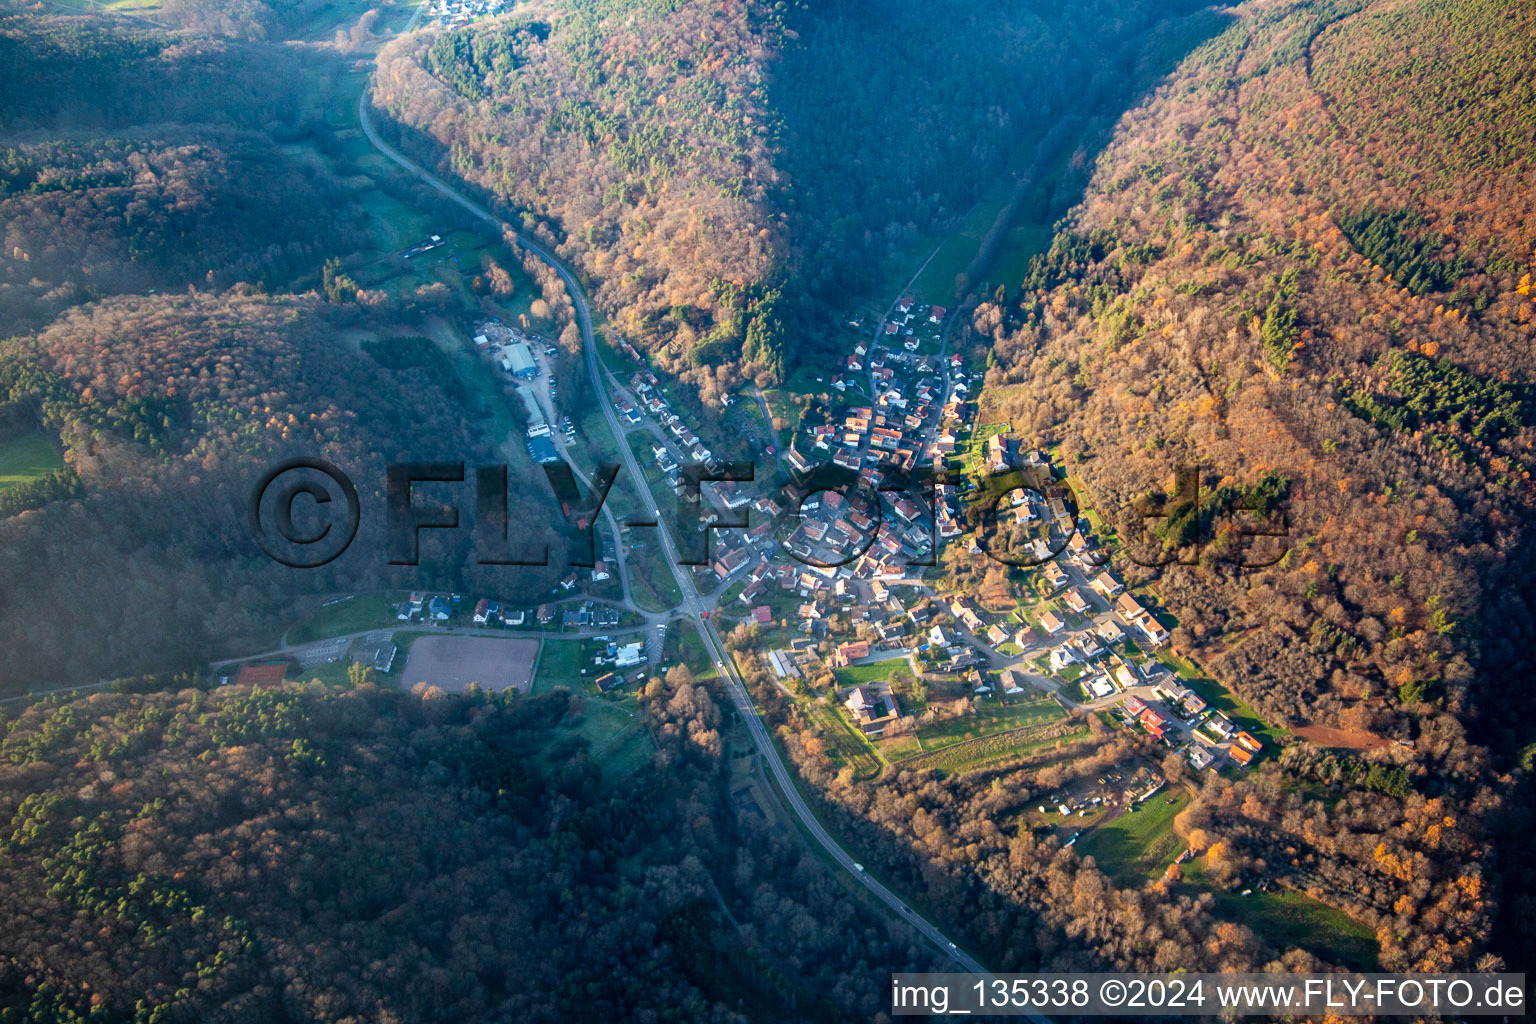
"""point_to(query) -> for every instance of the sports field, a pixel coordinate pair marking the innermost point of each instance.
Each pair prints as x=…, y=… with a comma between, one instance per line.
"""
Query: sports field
x=453, y=662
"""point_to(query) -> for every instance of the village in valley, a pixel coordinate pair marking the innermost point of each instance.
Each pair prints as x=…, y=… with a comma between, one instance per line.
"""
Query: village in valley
x=842, y=591
x=847, y=569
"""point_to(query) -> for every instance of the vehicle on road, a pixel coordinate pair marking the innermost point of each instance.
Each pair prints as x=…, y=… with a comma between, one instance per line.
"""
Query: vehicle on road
x=858, y=867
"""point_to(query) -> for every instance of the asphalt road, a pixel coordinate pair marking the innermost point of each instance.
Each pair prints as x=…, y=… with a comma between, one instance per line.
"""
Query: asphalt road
x=693, y=604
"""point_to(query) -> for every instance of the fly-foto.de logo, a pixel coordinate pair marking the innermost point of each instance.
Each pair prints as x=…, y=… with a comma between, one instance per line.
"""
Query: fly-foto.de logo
x=305, y=513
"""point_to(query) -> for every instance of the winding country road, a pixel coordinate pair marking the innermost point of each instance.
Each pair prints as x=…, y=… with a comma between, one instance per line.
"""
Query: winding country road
x=693, y=604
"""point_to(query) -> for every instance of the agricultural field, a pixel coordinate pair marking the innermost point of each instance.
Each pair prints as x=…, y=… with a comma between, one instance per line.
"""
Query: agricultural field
x=1033, y=711
x=845, y=744
x=993, y=749
x=1140, y=844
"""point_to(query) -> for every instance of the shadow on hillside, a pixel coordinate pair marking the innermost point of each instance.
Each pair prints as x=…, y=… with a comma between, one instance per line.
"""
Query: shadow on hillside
x=898, y=121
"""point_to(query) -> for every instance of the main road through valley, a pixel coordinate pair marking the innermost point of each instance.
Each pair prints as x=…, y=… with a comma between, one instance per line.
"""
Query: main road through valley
x=693, y=605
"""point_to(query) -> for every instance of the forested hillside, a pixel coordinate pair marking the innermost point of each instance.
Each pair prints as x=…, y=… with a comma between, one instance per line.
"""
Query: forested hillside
x=1303, y=264
x=162, y=252
x=168, y=410
x=1243, y=288
x=99, y=74
x=85, y=219
x=138, y=160
x=1308, y=259
x=305, y=854
x=722, y=171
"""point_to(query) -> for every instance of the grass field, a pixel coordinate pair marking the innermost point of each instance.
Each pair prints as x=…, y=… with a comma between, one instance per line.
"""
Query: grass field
x=1010, y=261
x=335, y=15
x=899, y=748
x=480, y=384
x=936, y=284
x=353, y=615
x=333, y=673
x=1288, y=919
x=808, y=380
x=973, y=452
x=27, y=456
x=653, y=586
x=650, y=578
x=626, y=752
x=609, y=354
x=394, y=221
x=786, y=413
x=684, y=645
x=875, y=671
x=559, y=665
x=1139, y=845
x=616, y=733
x=783, y=603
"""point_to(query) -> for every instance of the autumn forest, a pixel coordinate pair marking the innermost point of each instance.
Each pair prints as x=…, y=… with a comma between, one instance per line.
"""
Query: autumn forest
x=1281, y=263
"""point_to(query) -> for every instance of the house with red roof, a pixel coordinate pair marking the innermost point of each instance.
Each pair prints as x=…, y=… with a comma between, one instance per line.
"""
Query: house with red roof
x=1153, y=721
